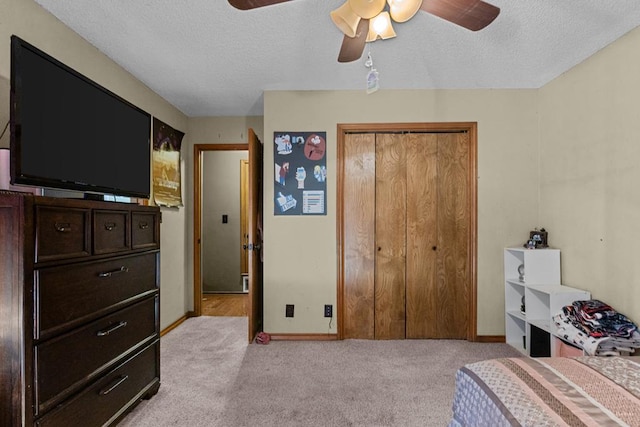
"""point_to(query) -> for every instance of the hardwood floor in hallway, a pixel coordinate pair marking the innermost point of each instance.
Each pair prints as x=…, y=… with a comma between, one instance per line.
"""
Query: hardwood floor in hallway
x=224, y=304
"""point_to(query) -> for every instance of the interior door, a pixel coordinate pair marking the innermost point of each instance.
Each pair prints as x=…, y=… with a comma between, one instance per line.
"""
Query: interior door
x=391, y=236
x=414, y=197
x=357, y=227
x=255, y=235
x=422, y=235
x=453, y=271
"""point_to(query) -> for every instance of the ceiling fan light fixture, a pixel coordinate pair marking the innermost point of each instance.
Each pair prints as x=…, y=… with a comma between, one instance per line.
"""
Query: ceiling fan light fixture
x=345, y=19
x=381, y=28
x=367, y=9
x=403, y=10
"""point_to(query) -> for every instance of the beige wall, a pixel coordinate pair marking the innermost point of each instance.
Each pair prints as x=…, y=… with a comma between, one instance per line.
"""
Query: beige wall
x=221, y=242
x=32, y=23
x=590, y=171
x=300, y=258
x=4, y=111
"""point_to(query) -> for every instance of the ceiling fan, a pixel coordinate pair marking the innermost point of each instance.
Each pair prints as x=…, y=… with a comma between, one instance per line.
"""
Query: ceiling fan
x=364, y=21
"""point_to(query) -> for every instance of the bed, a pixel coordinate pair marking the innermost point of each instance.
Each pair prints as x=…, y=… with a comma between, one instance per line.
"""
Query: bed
x=553, y=391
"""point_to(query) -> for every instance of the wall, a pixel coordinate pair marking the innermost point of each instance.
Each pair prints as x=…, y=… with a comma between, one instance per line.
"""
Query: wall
x=4, y=111
x=300, y=257
x=589, y=173
x=29, y=21
x=221, y=242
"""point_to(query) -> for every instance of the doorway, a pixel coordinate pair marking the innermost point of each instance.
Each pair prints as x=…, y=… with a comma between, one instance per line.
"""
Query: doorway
x=407, y=231
x=253, y=227
x=223, y=215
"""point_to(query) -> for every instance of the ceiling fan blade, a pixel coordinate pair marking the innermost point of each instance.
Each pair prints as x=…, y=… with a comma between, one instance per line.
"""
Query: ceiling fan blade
x=473, y=15
x=352, y=47
x=253, y=4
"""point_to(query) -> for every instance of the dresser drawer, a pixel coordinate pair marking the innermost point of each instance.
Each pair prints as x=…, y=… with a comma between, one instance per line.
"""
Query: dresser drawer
x=144, y=230
x=66, y=296
x=103, y=401
x=64, y=363
x=110, y=231
x=62, y=233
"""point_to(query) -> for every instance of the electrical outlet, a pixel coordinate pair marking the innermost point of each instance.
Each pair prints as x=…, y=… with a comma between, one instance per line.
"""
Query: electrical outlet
x=328, y=310
x=288, y=311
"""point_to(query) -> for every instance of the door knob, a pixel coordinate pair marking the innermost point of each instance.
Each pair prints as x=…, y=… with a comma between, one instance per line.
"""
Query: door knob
x=434, y=248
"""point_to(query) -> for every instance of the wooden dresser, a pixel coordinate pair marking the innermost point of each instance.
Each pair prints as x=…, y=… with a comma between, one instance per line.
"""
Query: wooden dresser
x=79, y=309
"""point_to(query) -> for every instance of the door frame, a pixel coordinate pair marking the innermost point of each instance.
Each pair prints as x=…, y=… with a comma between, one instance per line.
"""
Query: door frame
x=471, y=128
x=198, y=150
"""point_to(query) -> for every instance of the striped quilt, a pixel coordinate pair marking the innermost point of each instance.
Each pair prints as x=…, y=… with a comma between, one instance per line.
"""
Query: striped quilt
x=555, y=391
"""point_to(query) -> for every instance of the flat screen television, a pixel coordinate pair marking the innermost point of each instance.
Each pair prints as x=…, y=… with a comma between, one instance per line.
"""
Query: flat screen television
x=68, y=132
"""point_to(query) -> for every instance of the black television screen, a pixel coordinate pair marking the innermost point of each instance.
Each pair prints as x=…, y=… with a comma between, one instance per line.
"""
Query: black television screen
x=68, y=132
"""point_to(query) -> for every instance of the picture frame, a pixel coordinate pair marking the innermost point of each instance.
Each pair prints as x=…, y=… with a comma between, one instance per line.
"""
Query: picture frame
x=538, y=239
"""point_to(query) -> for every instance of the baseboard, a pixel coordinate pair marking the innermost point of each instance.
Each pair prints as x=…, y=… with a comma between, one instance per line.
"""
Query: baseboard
x=173, y=325
x=303, y=337
x=491, y=338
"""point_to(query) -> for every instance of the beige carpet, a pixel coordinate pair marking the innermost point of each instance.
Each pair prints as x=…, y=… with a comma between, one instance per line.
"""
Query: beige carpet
x=210, y=376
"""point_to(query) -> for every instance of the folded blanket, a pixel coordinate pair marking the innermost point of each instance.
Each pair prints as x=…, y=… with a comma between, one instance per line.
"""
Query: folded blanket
x=598, y=319
x=611, y=345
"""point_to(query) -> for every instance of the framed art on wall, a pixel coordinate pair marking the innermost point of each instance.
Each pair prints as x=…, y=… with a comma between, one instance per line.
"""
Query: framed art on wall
x=300, y=173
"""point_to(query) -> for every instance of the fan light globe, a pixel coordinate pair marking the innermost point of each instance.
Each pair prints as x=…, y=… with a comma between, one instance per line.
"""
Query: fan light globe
x=403, y=10
x=367, y=9
x=380, y=27
x=345, y=19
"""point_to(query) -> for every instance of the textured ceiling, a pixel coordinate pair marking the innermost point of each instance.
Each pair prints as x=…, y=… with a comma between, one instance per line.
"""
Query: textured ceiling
x=208, y=59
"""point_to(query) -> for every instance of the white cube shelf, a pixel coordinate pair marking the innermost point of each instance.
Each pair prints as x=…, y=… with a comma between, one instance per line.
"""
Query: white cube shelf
x=544, y=295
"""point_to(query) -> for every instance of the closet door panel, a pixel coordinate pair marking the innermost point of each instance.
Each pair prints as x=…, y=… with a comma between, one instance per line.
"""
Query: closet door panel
x=454, y=235
x=359, y=235
x=422, y=305
x=390, y=231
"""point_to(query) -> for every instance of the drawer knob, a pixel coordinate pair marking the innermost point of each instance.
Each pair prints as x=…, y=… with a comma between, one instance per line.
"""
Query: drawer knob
x=143, y=225
x=112, y=387
x=109, y=226
x=62, y=227
x=122, y=269
x=112, y=329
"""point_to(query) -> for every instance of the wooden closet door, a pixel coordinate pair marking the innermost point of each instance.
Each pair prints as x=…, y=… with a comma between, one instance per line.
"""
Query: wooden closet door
x=423, y=306
x=391, y=231
x=454, y=236
x=358, y=230
x=406, y=235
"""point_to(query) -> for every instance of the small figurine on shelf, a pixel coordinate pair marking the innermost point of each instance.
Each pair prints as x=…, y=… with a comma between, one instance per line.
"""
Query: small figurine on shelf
x=537, y=239
x=522, y=307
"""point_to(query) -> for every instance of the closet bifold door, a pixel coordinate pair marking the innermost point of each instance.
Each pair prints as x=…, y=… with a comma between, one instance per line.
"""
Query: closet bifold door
x=454, y=210
x=422, y=235
x=359, y=235
x=390, y=268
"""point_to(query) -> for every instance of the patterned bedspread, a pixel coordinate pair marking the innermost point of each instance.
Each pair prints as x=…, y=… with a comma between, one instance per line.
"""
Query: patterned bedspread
x=555, y=391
